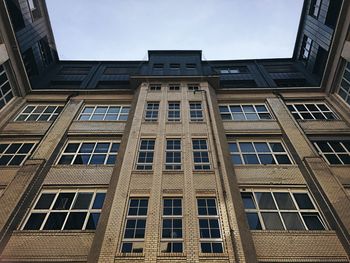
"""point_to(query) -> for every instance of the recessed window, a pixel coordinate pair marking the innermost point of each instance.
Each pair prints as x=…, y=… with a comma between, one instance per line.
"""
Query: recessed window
x=174, y=111
x=315, y=7
x=334, y=151
x=45, y=51
x=174, y=87
x=16, y=15
x=34, y=8
x=104, y=113
x=89, y=153
x=174, y=65
x=173, y=154
x=37, y=112
x=281, y=210
x=192, y=87
x=244, y=112
x=311, y=111
x=191, y=66
x=305, y=49
x=172, y=228
x=344, y=90
x=30, y=62
x=66, y=210
x=135, y=226
x=259, y=152
x=152, y=109
x=200, y=154
x=145, y=155
x=196, y=111
x=209, y=226
x=155, y=87
x=15, y=153
x=5, y=88
x=158, y=66
x=229, y=71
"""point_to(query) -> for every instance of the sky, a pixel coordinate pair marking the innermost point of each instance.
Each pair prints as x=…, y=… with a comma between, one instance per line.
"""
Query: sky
x=127, y=29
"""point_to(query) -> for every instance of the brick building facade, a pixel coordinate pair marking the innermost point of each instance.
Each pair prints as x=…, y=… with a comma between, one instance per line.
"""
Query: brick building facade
x=175, y=158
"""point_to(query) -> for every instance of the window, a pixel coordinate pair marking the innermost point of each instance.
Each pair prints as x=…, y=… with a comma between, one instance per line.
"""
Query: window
x=173, y=154
x=5, y=89
x=259, y=152
x=145, y=156
x=66, y=209
x=344, y=90
x=193, y=87
x=15, y=13
x=196, y=111
x=191, y=66
x=174, y=111
x=45, y=51
x=305, y=49
x=174, y=87
x=34, y=9
x=281, y=210
x=315, y=7
x=200, y=154
x=104, y=113
x=209, y=226
x=311, y=111
x=229, y=71
x=30, y=63
x=135, y=226
x=243, y=112
x=172, y=229
x=15, y=153
x=333, y=13
x=158, y=66
x=37, y=112
x=334, y=151
x=89, y=152
x=155, y=87
x=152, y=109
x=174, y=65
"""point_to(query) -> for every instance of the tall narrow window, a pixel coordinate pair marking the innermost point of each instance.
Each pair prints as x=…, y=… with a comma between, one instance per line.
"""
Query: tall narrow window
x=200, y=154
x=315, y=7
x=305, y=49
x=45, y=51
x=145, y=156
x=34, y=7
x=174, y=111
x=5, y=89
x=209, y=226
x=135, y=226
x=196, y=111
x=30, y=62
x=15, y=153
x=172, y=237
x=173, y=154
x=152, y=110
x=344, y=90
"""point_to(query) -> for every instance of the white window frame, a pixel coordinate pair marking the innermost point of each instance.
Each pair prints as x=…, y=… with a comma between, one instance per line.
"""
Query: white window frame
x=196, y=119
x=2, y=94
x=323, y=154
x=27, y=155
x=193, y=87
x=279, y=211
x=268, y=141
x=254, y=105
x=347, y=81
x=53, y=115
x=201, y=150
x=295, y=111
x=80, y=142
x=155, y=87
x=153, y=110
x=174, y=119
x=173, y=150
x=119, y=114
x=138, y=165
x=174, y=87
x=57, y=192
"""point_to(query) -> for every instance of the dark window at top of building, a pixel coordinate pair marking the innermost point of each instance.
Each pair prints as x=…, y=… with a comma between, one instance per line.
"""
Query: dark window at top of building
x=45, y=51
x=291, y=82
x=158, y=66
x=321, y=60
x=174, y=65
x=15, y=14
x=233, y=70
x=305, y=49
x=35, y=10
x=249, y=83
x=30, y=63
x=191, y=66
x=287, y=68
x=315, y=7
x=74, y=71
x=333, y=13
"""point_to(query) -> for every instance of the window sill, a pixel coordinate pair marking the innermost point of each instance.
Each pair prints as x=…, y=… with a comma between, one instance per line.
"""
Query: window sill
x=211, y=171
x=50, y=232
x=270, y=120
x=143, y=171
x=173, y=122
x=139, y=255
x=213, y=255
x=100, y=121
x=82, y=165
x=173, y=171
x=169, y=254
x=282, y=166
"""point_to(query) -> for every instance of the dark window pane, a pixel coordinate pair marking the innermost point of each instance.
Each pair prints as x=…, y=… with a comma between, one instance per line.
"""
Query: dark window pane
x=292, y=221
x=66, y=159
x=83, y=201
x=45, y=201
x=262, y=147
x=26, y=147
x=277, y=147
x=345, y=158
x=324, y=147
x=115, y=147
x=99, y=199
x=282, y=159
x=332, y=159
x=111, y=159
x=205, y=247
x=284, y=201
x=86, y=148
x=13, y=148
x=127, y=248
x=217, y=248
x=5, y=159
x=82, y=159
x=233, y=147
x=266, y=159
x=93, y=221
x=236, y=159
x=303, y=200
x=17, y=160
x=71, y=148
x=253, y=221
x=101, y=148
x=64, y=201
x=250, y=159
x=55, y=221
x=246, y=147
x=312, y=221
x=177, y=247
x=75, y=221
x=98, y=159
x=34, y=222
x=272, y=221
x=248, y=200
x=265, y=200
x=3, y=147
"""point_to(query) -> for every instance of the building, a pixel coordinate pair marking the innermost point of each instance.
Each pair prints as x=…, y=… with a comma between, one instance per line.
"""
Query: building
x=175, y=159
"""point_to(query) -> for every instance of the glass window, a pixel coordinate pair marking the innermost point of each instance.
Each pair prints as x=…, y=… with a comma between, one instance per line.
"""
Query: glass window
x=200, y=154
x=174, y=87
x=5, y=89
x=173, y=154
x=334, y=151
x=192, y=87
x=315, y=7
x=15, y=153
x=281, y=210
x=259, y=152
x=311, y=111
x=66, y=210
x=89, y=153
x=344, y=89
x=155, y=87
x=209, y=226
x=172, y=228
x=145, y=155
x=104, y=113
x=244, y=112
x=34, y=9
x=174, y=111
x=135, y=226
x=305, y=49
x=151, y=113
x=35, y=112
x=196, y=111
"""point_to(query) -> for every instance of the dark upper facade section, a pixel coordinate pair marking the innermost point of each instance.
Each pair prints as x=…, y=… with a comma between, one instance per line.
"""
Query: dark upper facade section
x=33, y=32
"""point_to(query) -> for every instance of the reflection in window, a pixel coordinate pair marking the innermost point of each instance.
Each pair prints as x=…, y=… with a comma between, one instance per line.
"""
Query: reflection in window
x=36, y=112
x=311, y=111
x=200, y=154
x=15, y=153
x=104, y=113
x=243, y=112
x=334, y=151
x=145, y=155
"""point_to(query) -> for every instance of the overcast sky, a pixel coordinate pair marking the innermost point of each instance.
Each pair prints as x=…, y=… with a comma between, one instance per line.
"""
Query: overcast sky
x=126, y=29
